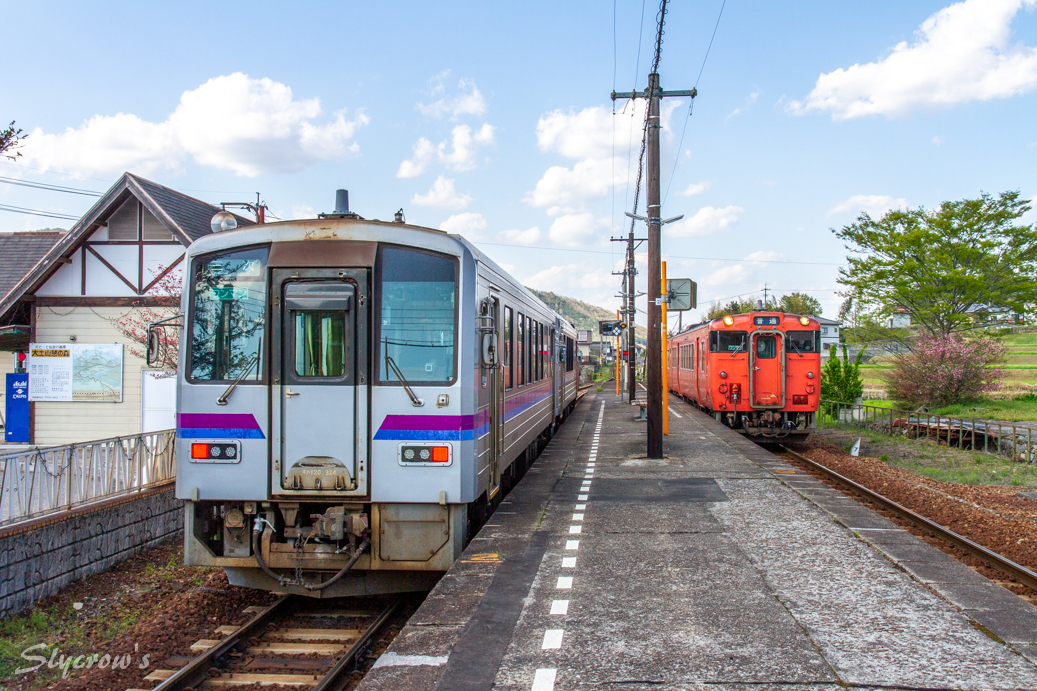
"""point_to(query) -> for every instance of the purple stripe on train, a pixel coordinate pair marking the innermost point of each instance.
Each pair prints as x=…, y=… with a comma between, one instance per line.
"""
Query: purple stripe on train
x=455, y=427
x=218, y=426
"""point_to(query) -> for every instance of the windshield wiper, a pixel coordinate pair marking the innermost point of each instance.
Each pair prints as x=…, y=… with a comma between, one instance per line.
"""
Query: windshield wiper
x=403, y=380
x=222, y=400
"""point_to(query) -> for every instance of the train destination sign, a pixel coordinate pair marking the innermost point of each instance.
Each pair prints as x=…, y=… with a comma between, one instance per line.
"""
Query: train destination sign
x=611, y=327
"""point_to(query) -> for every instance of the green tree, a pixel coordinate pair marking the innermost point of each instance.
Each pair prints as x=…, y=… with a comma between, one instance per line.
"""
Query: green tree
x=10, y=139
x=841, y=379
x=734, y=307
x=799, y=303
x=939, y=265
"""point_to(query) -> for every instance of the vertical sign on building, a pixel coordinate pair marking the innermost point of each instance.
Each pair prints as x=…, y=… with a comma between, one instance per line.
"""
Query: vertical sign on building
x=16, y=409
x=50, y=372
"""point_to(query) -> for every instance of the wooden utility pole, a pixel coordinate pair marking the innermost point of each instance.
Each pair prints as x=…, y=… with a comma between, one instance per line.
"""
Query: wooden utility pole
x=666, y=358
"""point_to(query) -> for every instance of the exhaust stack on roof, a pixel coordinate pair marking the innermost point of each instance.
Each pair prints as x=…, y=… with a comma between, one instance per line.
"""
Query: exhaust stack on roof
x=341, y=206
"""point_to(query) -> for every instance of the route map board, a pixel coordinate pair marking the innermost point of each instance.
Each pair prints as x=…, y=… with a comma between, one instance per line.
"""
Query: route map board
x=76, y=372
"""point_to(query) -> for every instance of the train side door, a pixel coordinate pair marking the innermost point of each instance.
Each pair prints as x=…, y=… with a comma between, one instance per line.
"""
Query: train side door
x=767, y=363
x=322, y=361
x=493, y=375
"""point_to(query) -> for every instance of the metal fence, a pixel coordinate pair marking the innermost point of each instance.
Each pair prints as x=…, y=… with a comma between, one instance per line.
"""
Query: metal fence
x=41, y=481
x=1006, y=440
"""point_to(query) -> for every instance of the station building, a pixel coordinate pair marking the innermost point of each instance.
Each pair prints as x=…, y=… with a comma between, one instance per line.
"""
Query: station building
x=119, y=264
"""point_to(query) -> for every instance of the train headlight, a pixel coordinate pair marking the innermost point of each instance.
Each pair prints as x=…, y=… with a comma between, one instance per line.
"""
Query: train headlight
x=729, y=320
x=810, y=375
x=425, y=454
x=723, y=375
x=804, y=320
x=409, y=454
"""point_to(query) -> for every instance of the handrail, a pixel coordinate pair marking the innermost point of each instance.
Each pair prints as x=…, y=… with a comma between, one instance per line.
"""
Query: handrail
x=41, y=481
x=985, y=436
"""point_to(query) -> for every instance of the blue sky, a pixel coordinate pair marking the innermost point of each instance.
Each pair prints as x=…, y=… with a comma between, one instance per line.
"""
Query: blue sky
x=494, y=120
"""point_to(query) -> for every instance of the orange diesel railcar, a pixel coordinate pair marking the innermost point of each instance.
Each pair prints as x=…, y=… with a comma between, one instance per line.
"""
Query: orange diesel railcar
x=758, y=373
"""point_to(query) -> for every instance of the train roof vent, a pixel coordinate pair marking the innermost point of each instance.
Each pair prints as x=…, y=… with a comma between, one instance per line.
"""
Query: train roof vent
x=341, y=206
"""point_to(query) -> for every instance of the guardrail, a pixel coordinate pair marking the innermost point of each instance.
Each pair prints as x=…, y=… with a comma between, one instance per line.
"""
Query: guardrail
x=1016, y=442
x=47, y=480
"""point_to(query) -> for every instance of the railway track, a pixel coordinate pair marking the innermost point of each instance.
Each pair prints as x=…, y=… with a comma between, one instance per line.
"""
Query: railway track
x=1014, y=571
x=288, y=644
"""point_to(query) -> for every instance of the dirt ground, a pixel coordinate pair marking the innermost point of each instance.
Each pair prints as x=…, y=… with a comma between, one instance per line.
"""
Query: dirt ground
x=995, y=516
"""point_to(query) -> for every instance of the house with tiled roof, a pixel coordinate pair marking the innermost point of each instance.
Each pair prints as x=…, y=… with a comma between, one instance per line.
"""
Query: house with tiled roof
x=75, y=288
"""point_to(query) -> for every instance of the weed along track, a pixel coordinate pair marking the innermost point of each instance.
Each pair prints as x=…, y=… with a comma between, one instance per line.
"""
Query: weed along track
x=999, y=541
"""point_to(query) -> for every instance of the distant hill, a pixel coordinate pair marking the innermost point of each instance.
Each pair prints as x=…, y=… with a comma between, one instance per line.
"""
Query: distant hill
x=581, y=314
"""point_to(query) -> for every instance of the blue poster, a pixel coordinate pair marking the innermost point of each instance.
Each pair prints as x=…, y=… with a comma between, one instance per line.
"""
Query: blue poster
x=16, y=413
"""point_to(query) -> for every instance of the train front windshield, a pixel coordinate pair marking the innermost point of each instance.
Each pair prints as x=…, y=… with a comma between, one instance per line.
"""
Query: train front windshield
x=228, y=307
x=417, y=316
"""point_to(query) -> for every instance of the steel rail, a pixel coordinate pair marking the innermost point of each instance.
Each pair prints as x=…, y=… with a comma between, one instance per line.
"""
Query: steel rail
x=332, y=681
x=1003, y=564
x=197, y=670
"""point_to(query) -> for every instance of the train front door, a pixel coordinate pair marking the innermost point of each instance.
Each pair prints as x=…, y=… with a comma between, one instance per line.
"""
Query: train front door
x=768, y=370
x=320, y=369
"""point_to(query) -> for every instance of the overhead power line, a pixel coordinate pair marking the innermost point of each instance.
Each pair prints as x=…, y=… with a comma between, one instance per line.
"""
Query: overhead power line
x=36, y=212
x=48, y=187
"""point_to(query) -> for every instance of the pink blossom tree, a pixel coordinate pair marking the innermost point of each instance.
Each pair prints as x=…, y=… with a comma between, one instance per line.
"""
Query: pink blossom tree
x=946, y=369
x=133, y=324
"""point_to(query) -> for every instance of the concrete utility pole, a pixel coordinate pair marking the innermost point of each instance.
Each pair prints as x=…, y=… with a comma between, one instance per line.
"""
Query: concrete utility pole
x=654, y=368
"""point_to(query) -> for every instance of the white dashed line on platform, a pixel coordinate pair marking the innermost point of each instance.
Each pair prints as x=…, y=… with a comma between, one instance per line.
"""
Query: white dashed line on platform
x=544, y=680
x=568, y=562
x=564, y=583
x=575, y=529
x=552, y=639
x=577, y=516
x=559, y=606
x=572, y=544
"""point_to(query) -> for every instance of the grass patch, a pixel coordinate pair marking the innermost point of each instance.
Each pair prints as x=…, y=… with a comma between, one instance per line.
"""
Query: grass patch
x=1018, y=410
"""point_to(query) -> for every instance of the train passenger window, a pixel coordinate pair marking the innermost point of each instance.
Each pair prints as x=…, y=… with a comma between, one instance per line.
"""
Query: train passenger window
x=528, y=362
x=520, y=345
x=766, y=346
x=228, y=315
x=803, y=341
x=535, y=353
x=729, y=341
x=320, y=343
x=509, y=364
x=417, y=315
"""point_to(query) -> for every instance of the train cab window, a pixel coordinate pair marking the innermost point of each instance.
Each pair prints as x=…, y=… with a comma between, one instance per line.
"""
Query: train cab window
x=803, y=341
x=766, y=346
x=320, y=343
x=417, y=315
x=228, y=316
x=729, y=341
x=520, y=346
x=509, y=363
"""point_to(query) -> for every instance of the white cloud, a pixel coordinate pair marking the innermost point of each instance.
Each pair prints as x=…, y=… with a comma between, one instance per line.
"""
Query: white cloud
x=529, y=236
x=442, y=195
x=469, y=101
x=457, y=154
x=961, y=53
x=576, y=230
x=468, y=224
x=761, y=256
x=706, y=221
x=873, y=204
x=301, y=211
x=233, y=122
x=464, y=144
x=587, y=137
x=424, y=152
x=581, y=281
x=937, y=140
x=746, y=106
x=693, y=189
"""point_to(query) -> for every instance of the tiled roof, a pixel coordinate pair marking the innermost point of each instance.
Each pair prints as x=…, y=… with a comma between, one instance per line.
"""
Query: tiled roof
x=19, y=252
x=191, y=215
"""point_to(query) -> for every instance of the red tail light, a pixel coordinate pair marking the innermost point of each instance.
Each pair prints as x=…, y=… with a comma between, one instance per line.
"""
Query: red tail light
x=799, y=399
x=199, y=450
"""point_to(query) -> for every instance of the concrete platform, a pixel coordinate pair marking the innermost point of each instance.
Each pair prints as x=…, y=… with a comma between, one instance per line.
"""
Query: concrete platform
x=718, y=566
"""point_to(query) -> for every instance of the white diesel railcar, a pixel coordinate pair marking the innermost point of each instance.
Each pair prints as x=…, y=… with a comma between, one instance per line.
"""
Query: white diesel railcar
x=352, y=397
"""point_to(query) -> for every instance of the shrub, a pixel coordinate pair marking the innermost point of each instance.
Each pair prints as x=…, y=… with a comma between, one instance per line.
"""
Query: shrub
x=943, y=370
x=841, y=379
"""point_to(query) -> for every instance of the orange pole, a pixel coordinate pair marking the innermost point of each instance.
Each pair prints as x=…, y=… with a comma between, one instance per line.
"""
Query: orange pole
x=617, y=358
x=666, y=364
